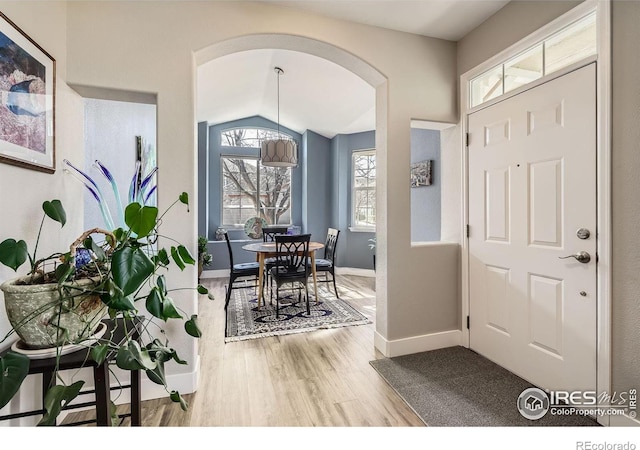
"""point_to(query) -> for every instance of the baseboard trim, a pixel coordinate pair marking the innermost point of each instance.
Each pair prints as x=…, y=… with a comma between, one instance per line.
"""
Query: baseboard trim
x=356, y=271
x=417, y=344
x=623, y=421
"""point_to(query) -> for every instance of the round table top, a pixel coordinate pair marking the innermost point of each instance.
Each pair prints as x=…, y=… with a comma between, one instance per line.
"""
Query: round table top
x=270, y=247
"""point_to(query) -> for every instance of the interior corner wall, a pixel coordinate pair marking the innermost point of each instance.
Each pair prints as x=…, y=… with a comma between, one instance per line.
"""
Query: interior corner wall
x=203, y=185
x=353, y=246
x=426, y=200
x=316, y=185
x=111, y=128
x=22, y=190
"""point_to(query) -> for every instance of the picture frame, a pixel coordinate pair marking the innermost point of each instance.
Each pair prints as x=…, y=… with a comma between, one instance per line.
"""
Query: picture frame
x=27, y=101
x=421, y=173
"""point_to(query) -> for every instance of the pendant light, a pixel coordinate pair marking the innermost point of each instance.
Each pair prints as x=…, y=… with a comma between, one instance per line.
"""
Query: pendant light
x=281, y=152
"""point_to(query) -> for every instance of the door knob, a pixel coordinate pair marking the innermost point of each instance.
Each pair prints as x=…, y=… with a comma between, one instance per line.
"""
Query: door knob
x=582, y=257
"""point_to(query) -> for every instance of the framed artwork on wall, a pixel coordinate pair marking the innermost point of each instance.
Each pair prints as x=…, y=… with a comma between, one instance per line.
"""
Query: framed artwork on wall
x=421, y=173
x=27, y=100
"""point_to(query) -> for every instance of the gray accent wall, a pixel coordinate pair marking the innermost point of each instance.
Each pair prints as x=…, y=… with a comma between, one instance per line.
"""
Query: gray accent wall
x=426, y=200
x=317, y=181
x=352, y=249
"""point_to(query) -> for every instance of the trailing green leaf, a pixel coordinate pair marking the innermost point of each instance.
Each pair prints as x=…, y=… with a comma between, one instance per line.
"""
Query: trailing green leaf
x=191, y=327
x=154, y=303
x=13, y=253
x=141, y=219
x=169, y=310
x=176, y=397
x=132, y=357
x=63, y=272
x=176, y=258
x=54, y=210
x=185, y=255
x=57, y=398
x=99, y=353
x=162, y=284
x=162, y=258
x=202, y=290
x=157, y=374
x=184, y=198
x=14, y=368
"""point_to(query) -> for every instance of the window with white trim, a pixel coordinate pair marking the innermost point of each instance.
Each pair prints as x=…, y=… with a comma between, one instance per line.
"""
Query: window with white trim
x=363, y=182
x=249, y=137
x=568, y=46
x=250, y=189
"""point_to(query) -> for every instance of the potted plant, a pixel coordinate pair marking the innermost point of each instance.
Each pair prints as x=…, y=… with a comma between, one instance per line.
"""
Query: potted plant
x=204, y=257
x=91, y=278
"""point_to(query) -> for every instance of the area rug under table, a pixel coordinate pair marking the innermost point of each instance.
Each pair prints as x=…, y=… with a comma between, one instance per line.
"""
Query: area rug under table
x=246, y=321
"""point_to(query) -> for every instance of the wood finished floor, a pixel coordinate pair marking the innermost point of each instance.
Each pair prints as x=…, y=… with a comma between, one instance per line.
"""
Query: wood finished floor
x=320, y=378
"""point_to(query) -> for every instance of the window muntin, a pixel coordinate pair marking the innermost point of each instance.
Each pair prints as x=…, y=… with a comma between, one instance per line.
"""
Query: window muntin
x=569, y=45
x=249, y=137
x=250, y=189
x=363, y=200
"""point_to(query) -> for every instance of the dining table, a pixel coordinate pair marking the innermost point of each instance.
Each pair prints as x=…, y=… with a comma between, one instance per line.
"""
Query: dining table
x=266, y=250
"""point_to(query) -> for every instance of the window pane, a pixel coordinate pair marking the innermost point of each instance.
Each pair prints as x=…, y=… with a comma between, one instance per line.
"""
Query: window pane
x=486, y=86
x=239, y=184
x=275, y=194
x=576, y=42
x=523, y=69
x=364, y=183
x=248, y=137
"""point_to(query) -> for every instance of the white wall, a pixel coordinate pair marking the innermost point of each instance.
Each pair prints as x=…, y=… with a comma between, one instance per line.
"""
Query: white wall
x=22, y=191
x=160, y=39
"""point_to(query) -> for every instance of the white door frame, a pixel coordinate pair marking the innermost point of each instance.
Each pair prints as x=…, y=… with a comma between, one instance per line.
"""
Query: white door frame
x=603, y=177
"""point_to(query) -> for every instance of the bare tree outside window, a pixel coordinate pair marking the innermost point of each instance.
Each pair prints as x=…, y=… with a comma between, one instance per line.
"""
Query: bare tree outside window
x=364, y=189
x=250, y=189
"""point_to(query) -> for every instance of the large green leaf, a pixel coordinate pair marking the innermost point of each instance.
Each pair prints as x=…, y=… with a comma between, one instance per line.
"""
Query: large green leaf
x=140, y=219
x=57, y=398
x=157, y=375
x=13, y=254
x=55, y=211
x=115, y=299
x=14, y=368
x=169, y=310
x=191, y=327
x=154, y=303
x=132, y=357
x=131, y=267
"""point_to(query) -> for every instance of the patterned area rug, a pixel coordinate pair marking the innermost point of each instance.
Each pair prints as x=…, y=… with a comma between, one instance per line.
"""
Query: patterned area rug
x=245, y=321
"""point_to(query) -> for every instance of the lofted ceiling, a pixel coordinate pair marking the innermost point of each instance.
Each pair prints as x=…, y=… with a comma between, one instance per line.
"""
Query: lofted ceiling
x=317, y=94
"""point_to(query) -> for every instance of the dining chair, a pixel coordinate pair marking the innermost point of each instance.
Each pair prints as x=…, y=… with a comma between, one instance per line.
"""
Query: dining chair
x=241, y=270
x=269, y=234
x=291, y=265
x=328, y=263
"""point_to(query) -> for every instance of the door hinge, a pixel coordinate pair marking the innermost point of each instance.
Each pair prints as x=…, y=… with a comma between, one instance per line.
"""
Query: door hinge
x=467, y=139
x=468, y=322
x=468, y=228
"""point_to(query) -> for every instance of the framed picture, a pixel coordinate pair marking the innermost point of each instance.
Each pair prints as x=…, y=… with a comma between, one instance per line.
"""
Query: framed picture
x=27, y=100
x=421, y=173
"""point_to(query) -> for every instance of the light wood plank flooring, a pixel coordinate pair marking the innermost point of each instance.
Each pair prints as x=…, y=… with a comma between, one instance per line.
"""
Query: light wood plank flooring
x=320, y=378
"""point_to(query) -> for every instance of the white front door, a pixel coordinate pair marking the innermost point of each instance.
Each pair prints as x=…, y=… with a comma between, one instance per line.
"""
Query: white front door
x=532, y=186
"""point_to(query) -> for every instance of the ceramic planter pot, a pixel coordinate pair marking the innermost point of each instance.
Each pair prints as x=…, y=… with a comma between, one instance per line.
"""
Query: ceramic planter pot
x=33, y=312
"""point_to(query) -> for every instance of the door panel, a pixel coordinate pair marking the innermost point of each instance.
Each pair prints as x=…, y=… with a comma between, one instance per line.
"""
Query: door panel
x=532, y=185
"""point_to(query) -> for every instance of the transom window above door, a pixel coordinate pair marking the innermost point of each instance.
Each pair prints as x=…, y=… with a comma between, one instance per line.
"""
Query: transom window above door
x=570, y=45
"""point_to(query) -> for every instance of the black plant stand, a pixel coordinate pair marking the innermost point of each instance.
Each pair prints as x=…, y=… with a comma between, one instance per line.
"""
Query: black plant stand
x=82, y=358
